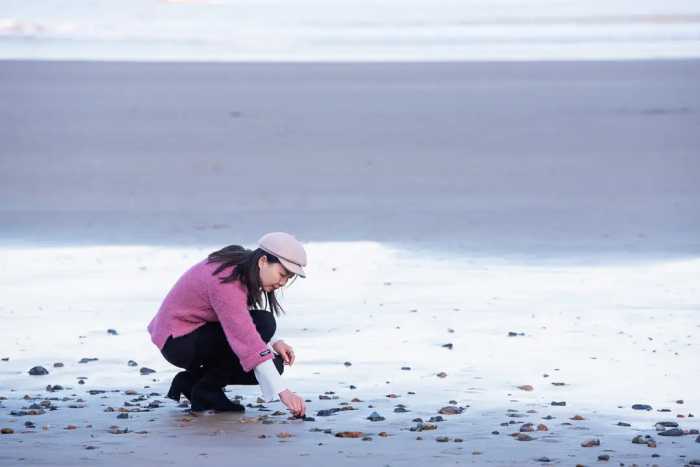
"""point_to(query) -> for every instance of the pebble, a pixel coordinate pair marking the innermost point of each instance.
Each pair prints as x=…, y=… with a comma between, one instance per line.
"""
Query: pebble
x=406, y=368
x=560, y=404
x=284, y=435
x=375, y=417
x=349, y=434
x=589, y=443
x=112, y=332
x=366, y=438
x=513, y=333
x=448, y=346
x=146, y=371
x=623, y=424
x=347, y=364
x=442, y=439
x=641, y=407
x=644, y=439
x=604, y=457
x=442, y=374
x=526, y=387
x=123, y=415
x=132, y=363
x=58, y=365
x=38, y=371
x=87, y=360
x=115, y=430
x=7, y=431
x=451, y=410
x=672, y=432
x=694, y=462
x=523, y=437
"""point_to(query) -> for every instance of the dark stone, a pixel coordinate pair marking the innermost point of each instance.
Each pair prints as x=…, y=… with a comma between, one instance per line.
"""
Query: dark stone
x=38, y=371
x=560, y=404
x=112, y=332
x=641, y=407
x=87, y=360
x=58, y=365
x=623, y=424
x=672, y=432
x=451, y=410
x=347, y=364
x=513, y=333
x=448, y=346
x=132, y=363
x=604, y=457
x=666, y=425
x=406, y=368
x=123, y=415
x=146, y=371
x=375, y=417
x=495, y=432
x=543, y=459
x=437, y=418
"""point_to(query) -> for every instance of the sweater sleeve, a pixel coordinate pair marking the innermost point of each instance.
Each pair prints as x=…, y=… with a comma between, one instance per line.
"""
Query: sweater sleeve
x=271, y=383
x=230, y=305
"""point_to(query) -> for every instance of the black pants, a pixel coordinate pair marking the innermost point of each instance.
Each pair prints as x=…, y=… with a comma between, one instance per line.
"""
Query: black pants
x=206, y=353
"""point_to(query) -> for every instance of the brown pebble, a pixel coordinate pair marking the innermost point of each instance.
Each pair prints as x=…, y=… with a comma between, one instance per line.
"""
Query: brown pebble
x=7, y=431
x=589, y=443
x=577, y=417
x=526, y=387
x=349, y=434
x=284, y=434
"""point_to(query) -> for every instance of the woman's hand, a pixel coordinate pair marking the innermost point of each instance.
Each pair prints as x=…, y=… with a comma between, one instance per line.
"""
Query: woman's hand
x=285, y=350
x=293, y=402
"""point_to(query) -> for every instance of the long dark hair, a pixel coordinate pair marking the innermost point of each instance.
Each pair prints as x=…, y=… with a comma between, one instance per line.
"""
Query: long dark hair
x=247, y=271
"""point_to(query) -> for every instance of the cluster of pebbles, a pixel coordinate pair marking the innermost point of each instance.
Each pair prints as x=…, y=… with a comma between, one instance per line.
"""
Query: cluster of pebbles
x=515, y=426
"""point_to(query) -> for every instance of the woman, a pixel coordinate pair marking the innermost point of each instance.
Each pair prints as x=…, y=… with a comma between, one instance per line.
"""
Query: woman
x=208, y=324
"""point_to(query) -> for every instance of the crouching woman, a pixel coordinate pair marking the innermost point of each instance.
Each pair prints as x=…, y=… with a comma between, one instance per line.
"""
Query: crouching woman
x=218, y=321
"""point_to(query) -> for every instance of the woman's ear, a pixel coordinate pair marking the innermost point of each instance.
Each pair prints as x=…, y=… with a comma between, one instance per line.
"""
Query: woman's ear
x=262, y=260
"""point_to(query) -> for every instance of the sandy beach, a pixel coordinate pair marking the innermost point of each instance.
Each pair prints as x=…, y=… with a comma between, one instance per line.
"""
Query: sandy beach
x=511, y=247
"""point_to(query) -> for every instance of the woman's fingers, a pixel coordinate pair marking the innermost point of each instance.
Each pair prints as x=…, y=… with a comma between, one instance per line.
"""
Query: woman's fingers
x=291, y=357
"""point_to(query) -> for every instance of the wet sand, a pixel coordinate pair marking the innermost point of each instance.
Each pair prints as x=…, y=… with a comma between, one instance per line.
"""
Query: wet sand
x=599, y=339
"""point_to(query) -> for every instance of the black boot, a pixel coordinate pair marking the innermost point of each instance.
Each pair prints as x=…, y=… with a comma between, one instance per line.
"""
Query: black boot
x=182, y=384
x=207, y=396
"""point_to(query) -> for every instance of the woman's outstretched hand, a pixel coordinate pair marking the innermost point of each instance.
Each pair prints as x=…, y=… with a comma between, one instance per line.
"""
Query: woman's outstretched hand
x=293, y=402
x=285, y=350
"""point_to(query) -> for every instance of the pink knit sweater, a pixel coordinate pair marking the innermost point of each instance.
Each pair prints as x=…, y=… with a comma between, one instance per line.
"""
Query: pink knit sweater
x=197, y=298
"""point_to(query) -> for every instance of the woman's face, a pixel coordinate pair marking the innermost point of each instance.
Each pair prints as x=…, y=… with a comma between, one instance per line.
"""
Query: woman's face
x=272, y=275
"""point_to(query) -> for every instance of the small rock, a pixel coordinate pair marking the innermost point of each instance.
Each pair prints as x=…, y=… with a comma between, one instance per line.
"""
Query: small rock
x=132, y=363
x=146, y=371
x=347, y=364
x=577, y=417
x=442, y=374
x=58, y=365
x=375, y=417
x=448, y=346
x=366, y=438
x=623, y=424
x=641, y=407
x=560, y=404
x=38, y=371
x=406, y=368
x=112, y=332
x=442, y=439
x=7, y=431
x=523, y=437
x=526, y=387
x=543, y=459
x=589, y=443
x=604, y=457
x=513, y=333
x=284, y=434
x=87, y=360
x=672, y=432
x=123, y=415
x=349, y=434
x=451, y=410
x=115, y=430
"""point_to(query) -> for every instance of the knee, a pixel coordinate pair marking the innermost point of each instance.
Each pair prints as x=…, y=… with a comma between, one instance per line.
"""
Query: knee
x=265, y=323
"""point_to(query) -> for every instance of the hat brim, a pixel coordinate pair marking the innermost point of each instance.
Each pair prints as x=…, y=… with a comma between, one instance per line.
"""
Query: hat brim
x=292, y=267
